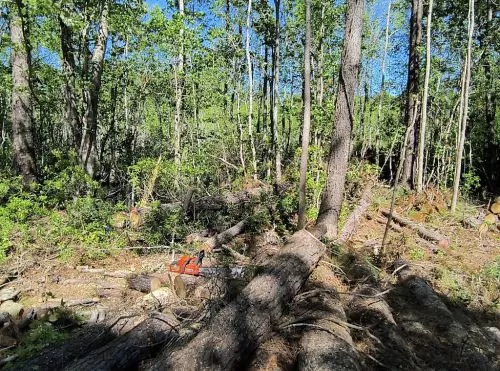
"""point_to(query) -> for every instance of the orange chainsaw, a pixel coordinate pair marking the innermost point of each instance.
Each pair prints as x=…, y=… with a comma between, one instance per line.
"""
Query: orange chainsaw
x=192, y=265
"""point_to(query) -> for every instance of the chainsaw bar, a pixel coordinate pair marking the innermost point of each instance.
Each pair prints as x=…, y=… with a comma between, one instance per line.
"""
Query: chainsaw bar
x=228, y=272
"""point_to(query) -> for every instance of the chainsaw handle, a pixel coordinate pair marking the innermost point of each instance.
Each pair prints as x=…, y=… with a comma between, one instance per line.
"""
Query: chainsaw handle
x=199, y=257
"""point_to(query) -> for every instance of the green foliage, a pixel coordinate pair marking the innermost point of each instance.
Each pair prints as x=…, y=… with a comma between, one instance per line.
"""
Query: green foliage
x=89, y=213
x=65, y=180
x=140, y=173
x=470, y=183
x=417, y=254
x=492, y=270
x=42, y=334
x=164, y=225
x=10, y=187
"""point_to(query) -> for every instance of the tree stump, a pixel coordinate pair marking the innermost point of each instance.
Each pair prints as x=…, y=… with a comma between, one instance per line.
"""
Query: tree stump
x=144, y=283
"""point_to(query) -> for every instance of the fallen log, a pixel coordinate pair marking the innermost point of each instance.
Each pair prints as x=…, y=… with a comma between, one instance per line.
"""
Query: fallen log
x=125, y=352
x=427, y=244
x=118, y=274
x=353, y=220
x=224, y=237
x=429, y=301
x=56, y=303
x=80, y=344
x=326, y=342
x=239, y=328
x=423, y=232
x=143, y=283
x=382, y=220
x=274, y=354
x=368, y=308
x=158, y=300
x=86, y=269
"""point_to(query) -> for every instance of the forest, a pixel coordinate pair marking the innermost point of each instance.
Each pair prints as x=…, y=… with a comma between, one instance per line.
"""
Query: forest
x=249, y=184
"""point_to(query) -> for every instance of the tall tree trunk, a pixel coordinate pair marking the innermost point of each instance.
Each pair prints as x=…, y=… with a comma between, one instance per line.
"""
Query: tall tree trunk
x=250, y=91
x=465, y=107
x=179, y=88
x=88, y=147
x=412, y=89
x=22, y=126
x=71, y=114
x=275, y=96
x=382, y=83
x=320, y=88
x=493, y=150
x=343, y=121
x=306, y=128
x=240, y=124
x=421, y=142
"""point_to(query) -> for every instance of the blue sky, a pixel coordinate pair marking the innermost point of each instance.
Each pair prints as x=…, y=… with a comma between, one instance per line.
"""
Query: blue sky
x=396, y=60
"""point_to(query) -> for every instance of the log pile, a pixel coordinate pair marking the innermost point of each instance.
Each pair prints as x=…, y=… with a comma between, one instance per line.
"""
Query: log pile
x=237, y=330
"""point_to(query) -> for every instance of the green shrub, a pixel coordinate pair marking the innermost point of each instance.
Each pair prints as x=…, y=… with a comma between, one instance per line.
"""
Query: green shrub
x=65, y=184
x=10, y=186
x=89, y=213
x=161, y=225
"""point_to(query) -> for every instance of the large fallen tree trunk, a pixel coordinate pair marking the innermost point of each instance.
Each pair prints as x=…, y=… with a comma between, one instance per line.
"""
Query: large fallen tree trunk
x=368, y=308
x=238, y=329
x=125, y=352
x=80, y=344
x=326, y=343
x=423, y=232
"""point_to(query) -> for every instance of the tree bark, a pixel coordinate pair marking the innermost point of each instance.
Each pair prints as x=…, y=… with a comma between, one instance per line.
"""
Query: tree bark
x=250, y=90
x=306, y=128
x=88, y=146
x=464, y=112
x=353, y=220
x=412, y=90
x=326, y=343
x=79, y=345
x=338, y=158
x=71, y=114
x=125, y=352
x=421, y=142
x=275, y=94
x=144, y=283
x=179, y=89
x=238, y=329
x=22, y=126
x=224, y=237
